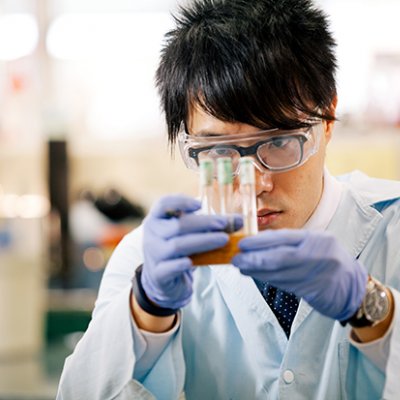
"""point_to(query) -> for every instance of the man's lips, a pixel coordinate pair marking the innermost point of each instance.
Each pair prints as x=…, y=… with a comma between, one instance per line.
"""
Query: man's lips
x=265, y=211
x=266, y=216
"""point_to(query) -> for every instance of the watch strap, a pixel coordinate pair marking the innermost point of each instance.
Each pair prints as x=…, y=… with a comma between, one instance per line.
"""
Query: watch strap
x=357, y=320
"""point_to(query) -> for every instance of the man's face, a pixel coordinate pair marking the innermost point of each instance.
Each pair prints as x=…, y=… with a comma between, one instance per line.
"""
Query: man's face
x=285, y=199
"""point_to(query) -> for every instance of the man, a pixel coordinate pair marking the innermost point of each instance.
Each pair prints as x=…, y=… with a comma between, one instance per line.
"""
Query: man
x=307, y=309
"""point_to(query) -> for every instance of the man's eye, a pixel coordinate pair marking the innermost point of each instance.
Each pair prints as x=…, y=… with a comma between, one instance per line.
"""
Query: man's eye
x=221, y=152
x=279, y=143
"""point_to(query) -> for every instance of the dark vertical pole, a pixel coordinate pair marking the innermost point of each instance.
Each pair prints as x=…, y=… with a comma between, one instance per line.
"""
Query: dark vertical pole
x=58, y=192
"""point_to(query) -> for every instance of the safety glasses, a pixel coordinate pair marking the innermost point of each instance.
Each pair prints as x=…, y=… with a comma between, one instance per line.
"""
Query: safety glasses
x=274, y=150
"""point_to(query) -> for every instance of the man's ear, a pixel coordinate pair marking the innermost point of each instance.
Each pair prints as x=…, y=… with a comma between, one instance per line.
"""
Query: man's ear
x=329, y=124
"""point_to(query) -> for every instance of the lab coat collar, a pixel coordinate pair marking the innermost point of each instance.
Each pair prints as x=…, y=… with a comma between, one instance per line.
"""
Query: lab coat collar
x=327, y=205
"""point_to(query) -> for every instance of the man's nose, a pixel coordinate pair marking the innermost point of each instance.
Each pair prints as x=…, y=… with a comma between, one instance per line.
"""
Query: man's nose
x=264, y=181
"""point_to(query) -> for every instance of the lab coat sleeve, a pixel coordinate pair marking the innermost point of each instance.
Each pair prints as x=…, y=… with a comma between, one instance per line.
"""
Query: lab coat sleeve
x=103, y=363
x=392, y=384
x=155, y=343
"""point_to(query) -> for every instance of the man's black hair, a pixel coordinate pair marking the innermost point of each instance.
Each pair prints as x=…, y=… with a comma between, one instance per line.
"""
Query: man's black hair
x=266, y=63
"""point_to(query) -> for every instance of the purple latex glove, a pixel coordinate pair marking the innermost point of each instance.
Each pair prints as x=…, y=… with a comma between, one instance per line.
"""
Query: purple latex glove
x=167, y=243
x=313, y=265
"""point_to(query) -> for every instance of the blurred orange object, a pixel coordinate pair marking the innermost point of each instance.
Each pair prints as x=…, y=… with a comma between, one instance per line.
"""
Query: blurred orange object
x=112, y=235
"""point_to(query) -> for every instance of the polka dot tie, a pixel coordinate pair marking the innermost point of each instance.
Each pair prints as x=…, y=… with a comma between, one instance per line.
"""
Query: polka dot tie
x=283, y=304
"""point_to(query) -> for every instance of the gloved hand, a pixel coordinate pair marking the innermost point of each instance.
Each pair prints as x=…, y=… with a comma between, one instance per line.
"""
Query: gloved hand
x=313, y=265
x=167, y=243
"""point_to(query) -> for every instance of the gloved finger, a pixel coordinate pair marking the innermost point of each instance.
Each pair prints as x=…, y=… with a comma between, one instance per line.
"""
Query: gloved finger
x=187, y=223
x=235, y=222
x=186, y=245
x=167, y=205
x=273, y=238
x=176, y=288
x=171, y=269
x=181, y=294
x=284, y=270
x=281, y=259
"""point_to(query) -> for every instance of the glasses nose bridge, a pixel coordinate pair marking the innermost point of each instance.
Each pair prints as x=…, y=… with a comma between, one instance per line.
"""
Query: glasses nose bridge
x=252, y=151
x=249, y=150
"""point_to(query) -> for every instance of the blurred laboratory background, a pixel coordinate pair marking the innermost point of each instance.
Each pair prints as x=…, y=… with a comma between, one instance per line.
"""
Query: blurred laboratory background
x=83, y=152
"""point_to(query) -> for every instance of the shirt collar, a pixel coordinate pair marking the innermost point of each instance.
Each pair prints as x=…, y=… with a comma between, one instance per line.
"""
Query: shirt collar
x=328, y=204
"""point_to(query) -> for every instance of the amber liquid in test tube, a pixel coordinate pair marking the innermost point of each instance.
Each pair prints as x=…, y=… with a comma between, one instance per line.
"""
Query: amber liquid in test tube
x=248, y=195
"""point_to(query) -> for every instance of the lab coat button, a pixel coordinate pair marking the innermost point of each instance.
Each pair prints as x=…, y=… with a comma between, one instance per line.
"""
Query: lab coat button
x=288, y=376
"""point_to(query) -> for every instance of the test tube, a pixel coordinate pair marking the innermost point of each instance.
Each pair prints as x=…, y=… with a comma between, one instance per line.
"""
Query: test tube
x=206, y=185
x=225, y=185
x=248, y=195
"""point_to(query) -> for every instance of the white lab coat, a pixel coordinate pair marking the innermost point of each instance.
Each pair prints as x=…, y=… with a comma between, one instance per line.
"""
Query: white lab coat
x=229, y=344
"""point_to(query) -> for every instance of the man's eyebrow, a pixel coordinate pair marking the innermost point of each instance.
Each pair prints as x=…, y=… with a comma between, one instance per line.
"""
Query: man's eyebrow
x=267, y=132
x=206, y=134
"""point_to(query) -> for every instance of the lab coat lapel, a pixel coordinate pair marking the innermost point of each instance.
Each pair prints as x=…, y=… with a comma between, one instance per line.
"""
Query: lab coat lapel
x=354, y=222
x=254, y=319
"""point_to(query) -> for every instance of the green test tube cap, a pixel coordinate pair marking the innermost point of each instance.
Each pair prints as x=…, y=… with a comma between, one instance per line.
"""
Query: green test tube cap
x=224, y=168
x=206, y=172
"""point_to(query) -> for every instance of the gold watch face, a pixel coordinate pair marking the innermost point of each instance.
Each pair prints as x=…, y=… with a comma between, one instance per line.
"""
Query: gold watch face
x=376, y=305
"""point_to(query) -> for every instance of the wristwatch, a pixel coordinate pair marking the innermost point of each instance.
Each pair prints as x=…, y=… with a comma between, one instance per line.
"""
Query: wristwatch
x=374, y=308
